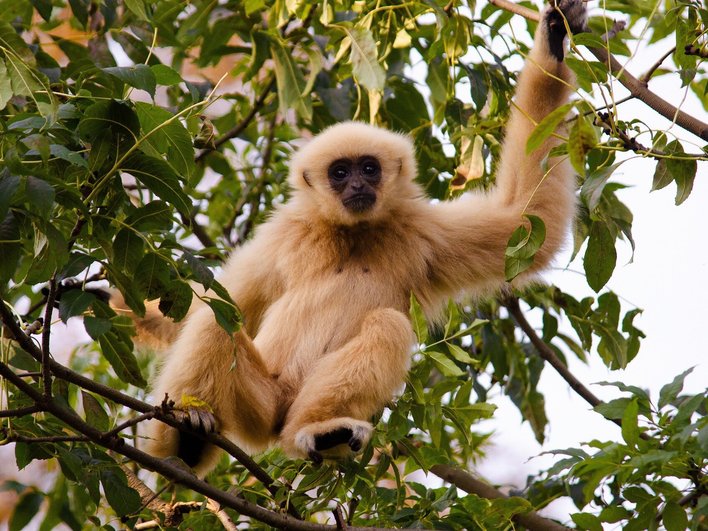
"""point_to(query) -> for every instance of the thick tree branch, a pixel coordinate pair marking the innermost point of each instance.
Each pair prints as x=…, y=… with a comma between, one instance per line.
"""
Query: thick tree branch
x=465, y=481
x=637, y=88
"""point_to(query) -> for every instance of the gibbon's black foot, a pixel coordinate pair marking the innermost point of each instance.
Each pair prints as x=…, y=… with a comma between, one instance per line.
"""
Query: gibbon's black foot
x=328, y=440
x=325, y=441
x=191, y=446
x=556, y=16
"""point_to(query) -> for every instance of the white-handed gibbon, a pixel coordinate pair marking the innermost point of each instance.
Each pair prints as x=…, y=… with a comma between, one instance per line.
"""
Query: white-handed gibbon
x=324, y=285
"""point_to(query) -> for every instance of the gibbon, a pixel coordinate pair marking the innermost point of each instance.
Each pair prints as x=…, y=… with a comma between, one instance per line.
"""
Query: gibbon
x=324, y=285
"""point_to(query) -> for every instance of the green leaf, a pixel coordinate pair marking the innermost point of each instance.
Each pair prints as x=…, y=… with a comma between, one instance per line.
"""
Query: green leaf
x=547, y=126
x=156, y=216
x=444, y=364
x=225, y=314
x=95, y=415
x=600, y=256
x=176, y=300
x=128, y=250
x=680, y=170
x=201, y=272
x=630, y=427
x=670, y=391
x=123, y=499
x=166, y=76
x=62, y=152
x=291, y=83
x=26, y=509
x=534, y=410
x=74, y=302
x=587, y=521
x=460, y=355
x=152, y=276
x=10, y=246
x=138, y=8
x=5, y=85
x=674, y=517
x=105, y=120
x=420, y=326
x=159, y=178
x=42, y=195
x=119, y=354
x=96, y=326
x=138, y=76
x=167, y=137
x=614, y=409
x=364, y=56
x=522, y=247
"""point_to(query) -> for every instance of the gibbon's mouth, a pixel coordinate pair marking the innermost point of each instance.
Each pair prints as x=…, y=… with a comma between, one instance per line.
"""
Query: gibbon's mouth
x=360, y=202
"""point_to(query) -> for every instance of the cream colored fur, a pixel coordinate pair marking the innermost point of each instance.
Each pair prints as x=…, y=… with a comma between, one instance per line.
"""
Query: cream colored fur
x=325, y=292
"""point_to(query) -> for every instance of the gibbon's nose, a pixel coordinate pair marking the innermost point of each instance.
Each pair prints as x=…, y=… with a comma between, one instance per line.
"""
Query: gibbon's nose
x=357, y=184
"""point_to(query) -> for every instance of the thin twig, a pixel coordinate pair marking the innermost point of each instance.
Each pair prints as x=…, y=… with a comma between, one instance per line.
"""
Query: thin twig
x=20, y=411
x=47, y=439
x=129, y=423
x=243, y=124
x=512, y=305
x=647, y=75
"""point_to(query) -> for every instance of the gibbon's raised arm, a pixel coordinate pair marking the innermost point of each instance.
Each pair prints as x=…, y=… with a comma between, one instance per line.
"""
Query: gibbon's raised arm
x=477, y=227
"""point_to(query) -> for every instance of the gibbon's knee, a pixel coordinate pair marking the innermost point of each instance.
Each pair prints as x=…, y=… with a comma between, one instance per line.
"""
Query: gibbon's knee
x=392, y=328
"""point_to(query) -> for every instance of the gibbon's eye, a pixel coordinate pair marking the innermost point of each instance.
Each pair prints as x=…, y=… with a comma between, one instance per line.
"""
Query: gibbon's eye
x=369, y=168
x=339, y=172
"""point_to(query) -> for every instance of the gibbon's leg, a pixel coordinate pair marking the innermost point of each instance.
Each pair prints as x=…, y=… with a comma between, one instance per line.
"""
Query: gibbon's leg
x=229, y=376
x=347, y=387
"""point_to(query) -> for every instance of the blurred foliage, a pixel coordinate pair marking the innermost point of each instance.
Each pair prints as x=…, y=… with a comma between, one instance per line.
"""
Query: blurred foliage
x=141, y=141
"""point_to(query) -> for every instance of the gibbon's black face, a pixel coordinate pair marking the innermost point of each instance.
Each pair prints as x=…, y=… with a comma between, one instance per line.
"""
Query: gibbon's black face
x=355, y=182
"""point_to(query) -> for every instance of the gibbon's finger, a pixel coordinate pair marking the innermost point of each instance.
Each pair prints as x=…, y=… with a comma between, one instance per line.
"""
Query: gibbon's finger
x=355, y=444
x=194, y=419
x=315, y=456
x=208, y=421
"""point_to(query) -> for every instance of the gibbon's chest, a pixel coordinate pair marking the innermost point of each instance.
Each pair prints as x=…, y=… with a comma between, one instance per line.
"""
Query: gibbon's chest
x=329, y=287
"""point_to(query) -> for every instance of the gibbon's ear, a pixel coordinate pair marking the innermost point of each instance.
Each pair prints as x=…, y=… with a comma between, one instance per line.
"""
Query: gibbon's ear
x=306, y=179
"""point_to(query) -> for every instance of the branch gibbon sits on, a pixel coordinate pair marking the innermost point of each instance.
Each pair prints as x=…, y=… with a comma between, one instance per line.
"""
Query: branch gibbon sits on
x=324, y=285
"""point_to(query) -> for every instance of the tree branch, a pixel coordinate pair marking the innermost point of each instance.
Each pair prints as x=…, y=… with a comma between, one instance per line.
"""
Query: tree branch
x=465, y=481
x=49, y=308
x=636, y=87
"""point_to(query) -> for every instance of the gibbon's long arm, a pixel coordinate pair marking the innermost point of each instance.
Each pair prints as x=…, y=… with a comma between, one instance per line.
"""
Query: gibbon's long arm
x=478, y=227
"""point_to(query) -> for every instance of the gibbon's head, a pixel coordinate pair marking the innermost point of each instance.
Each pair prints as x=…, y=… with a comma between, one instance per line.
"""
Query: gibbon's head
x=354, y=172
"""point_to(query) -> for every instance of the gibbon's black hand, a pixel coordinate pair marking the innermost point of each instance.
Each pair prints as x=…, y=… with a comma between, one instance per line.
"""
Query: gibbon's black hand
x=556, y=16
